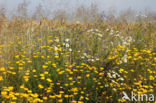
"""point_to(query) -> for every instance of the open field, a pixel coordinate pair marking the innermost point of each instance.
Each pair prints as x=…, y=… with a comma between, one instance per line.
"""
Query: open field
x=72, y=62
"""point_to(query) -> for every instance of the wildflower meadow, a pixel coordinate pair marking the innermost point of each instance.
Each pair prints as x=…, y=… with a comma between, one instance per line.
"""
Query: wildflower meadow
x=54, y=61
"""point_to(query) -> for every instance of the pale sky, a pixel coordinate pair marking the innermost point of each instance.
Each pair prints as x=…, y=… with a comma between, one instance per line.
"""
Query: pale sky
x=104, y=5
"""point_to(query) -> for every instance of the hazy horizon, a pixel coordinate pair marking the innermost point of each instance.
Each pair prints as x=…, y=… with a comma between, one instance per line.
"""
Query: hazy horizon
x=70, y=5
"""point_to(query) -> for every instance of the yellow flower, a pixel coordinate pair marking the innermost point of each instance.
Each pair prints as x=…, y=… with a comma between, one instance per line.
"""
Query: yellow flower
x=40, y=86
x=74, y=89
x=101, y=68
x=44, y=66
x=1, y=78
x=81, y=97
x=87, y=75
x=132, y=70
x=151, y=77
x=80, y=102
x=44, y=98
x=73, y=101
x=45, y=72
x=61, y=92
x=3, y=93
x=52, y=96
x=79, y=77
x=50, y=40
x=60, y=100
x=66, y=96
x=121, y=69
x=29, y=61
x=11, y=68
x=49, y=80
x=59, y=96
x=17, y=56
x=70, y=78
x=56, y=56
x=2, y=69
x=34, y=70
x=26, y=78
x=42, y=78
x=86, y=98
x=54, y=65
